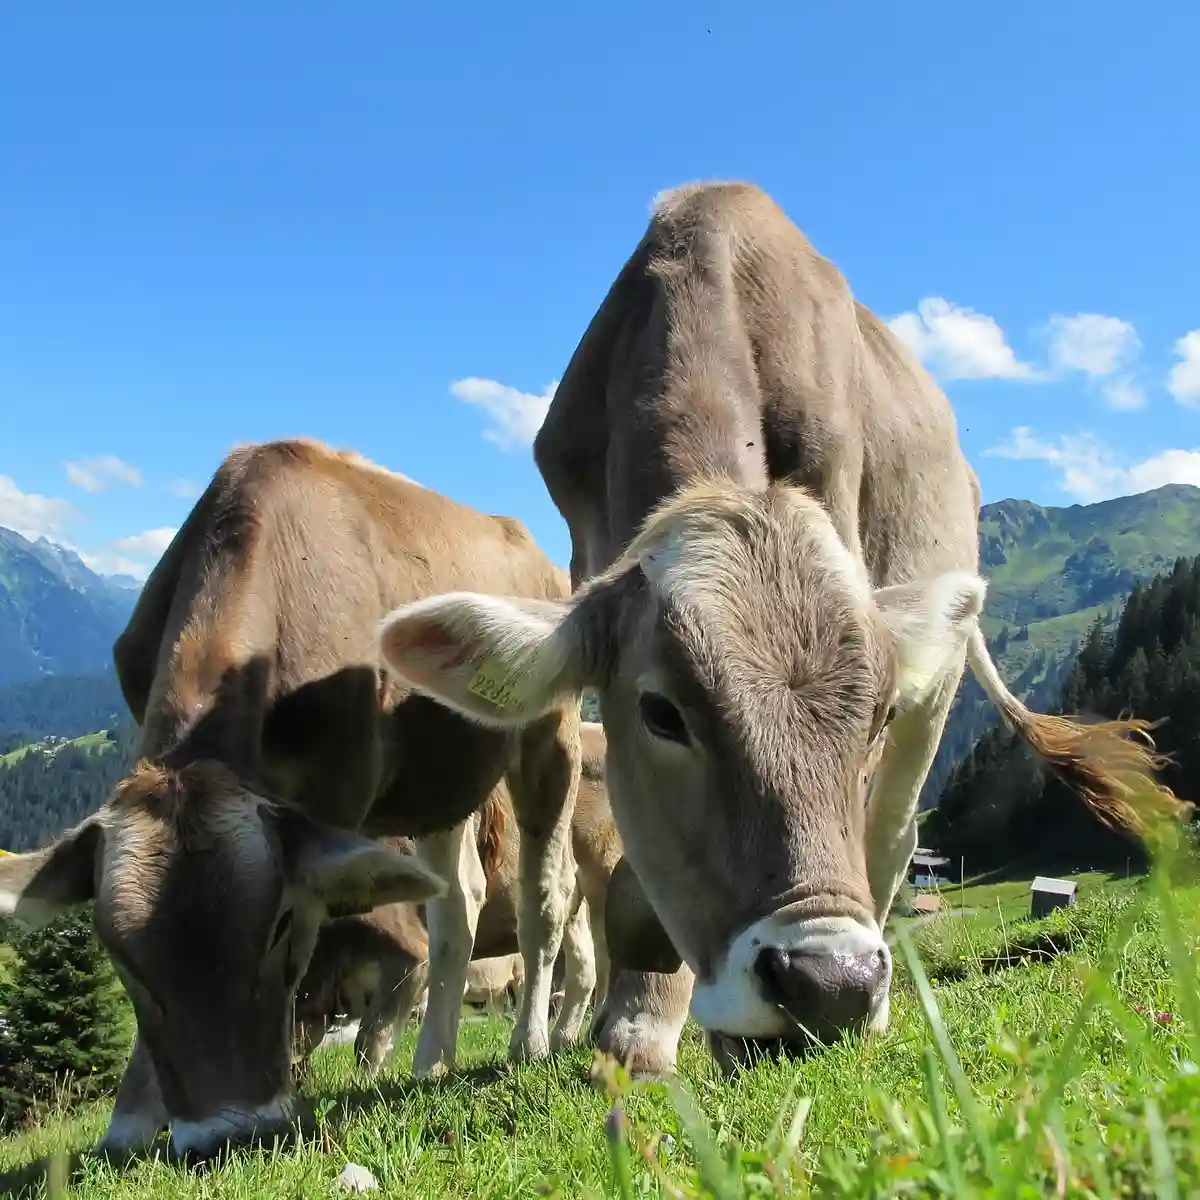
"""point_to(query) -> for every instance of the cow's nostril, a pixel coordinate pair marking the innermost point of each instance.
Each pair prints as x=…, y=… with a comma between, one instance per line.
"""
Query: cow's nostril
x=826, y=993
x=772, y=967
x=877, y=967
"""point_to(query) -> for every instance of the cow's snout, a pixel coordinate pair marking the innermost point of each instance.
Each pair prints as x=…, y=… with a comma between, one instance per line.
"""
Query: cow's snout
x=282, y=1118
x=825, y=993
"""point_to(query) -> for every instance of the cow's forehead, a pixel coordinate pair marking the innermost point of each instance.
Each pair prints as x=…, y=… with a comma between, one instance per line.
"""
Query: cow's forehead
x=154, y=861
x=770, y=608
x=714, y=539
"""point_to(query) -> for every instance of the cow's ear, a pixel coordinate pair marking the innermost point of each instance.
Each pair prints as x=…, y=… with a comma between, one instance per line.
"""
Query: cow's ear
x=39, y=886
x=498, y=660
x=929, y=621
x=347, y=873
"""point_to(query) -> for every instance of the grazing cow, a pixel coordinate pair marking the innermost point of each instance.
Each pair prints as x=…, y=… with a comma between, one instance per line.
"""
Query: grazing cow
x=494, y=982
x=371, y=967
x=774, y=537
x=273, y=749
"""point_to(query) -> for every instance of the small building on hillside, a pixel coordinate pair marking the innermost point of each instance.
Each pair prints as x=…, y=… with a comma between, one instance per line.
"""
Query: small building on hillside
x=1047, y=894
x=923, y=869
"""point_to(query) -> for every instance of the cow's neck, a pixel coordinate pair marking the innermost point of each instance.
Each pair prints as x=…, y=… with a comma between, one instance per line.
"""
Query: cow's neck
x=712, y=435
x=185, y=723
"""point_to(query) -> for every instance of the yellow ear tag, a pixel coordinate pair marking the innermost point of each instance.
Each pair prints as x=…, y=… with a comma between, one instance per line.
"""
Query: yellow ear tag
x=497, y=686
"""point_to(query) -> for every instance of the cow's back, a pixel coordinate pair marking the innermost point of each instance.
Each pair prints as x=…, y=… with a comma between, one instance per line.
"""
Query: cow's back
x=254, y=640
x=729, y=346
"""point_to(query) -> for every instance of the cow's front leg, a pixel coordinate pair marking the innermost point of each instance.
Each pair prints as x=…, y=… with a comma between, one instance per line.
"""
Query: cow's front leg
x=543, y=783
x=139, y=1114
x=580, y=981
x=452, y=921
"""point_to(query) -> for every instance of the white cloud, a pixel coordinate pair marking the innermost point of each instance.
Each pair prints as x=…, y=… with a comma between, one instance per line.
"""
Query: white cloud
x=104, y=562
x=1123, y=394
x=186, y=488
x=32, y=515
x=958, y=343
x=1089, y=470
x=95, y=474
x=1183, y=379
x=1092, y=342
x=151, y=542
x=516, y=416
x=133, y=555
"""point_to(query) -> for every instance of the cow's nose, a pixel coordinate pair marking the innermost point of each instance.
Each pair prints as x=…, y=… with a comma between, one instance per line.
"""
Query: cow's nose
x=825, y=993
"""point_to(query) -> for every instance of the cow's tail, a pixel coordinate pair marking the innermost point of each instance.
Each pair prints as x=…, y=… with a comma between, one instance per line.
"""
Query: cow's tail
x=1111, y=764
x=493, y=827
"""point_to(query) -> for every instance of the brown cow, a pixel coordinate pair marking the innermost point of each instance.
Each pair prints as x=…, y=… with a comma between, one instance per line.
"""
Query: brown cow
x=268, y=734
x=371, y=967
x=775, y=531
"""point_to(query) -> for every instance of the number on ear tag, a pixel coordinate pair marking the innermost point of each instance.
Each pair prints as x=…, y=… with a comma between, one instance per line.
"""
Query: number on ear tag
x=497, y=686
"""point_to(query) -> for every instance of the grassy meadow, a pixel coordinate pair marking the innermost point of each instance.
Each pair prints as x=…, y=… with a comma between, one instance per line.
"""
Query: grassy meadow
x=1024, y=1058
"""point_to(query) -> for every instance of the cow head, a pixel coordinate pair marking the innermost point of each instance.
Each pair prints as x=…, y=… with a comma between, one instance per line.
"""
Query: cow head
x=747, y=674
x=208, y=899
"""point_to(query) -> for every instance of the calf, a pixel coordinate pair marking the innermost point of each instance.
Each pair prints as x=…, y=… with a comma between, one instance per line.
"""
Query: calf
x=371, y=967
x=272, y=751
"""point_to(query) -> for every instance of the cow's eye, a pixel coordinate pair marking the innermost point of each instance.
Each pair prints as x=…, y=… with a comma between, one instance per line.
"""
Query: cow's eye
x=662, y=719
x=883, y=718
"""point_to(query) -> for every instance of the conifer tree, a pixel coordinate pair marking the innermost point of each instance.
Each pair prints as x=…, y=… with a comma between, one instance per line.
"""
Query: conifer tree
x=64, y=1020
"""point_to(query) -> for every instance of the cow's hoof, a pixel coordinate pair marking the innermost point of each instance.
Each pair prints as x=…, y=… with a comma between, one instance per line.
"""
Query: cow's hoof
x=432, y=1071
x=532, y=1048
x=565, y=1039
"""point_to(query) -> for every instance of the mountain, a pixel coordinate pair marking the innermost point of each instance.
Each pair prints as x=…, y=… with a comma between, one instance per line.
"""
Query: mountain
x=1050, y=573
x=56, y=615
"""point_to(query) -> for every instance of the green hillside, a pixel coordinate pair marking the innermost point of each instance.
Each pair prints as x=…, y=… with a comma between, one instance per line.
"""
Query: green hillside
x=1050, y=573
x=51, y=746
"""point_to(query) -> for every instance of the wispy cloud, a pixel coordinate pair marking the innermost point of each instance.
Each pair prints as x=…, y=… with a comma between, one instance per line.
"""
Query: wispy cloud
x=186, y=488
x=1102, y=348
x=958, y=343
x=1123, y=393
x=1183, y=380
x=33, y=515
x=1092, y=342
x=95, y=474
x=515, y=416
x=1089, y=470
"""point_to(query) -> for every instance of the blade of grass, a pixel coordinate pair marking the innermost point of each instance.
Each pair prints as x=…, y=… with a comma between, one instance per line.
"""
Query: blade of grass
x=1096, y=987
x=958, y=1080
x=1182, y=963
x=1165, y=1186
x=941, y=1119
x=618, y=1152
x=715, y=1173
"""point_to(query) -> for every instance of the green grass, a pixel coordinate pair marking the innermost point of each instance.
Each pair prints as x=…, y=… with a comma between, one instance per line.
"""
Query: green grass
x=1016, y=1072
x=1008, y=900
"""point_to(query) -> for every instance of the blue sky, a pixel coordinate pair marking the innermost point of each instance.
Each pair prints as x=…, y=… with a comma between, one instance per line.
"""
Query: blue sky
x=388, y=226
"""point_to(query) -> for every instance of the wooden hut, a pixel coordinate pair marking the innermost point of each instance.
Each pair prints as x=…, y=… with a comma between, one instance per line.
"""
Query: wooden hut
x=1047, y=894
